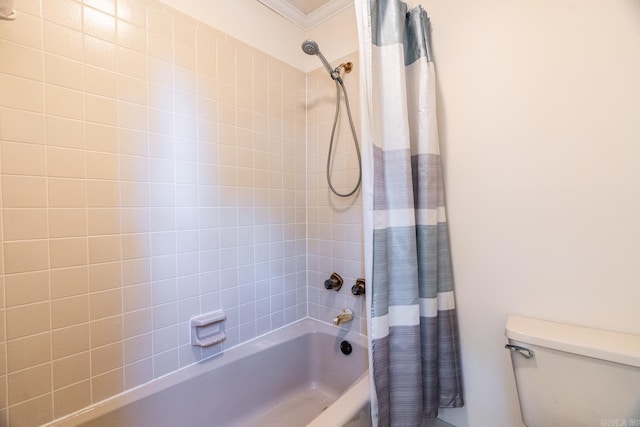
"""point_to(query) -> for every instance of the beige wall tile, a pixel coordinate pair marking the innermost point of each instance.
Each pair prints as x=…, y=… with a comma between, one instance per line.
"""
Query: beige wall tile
x=133, y=11
x=71, y=340
x=63, y=132
x=99, y=24
x=22, y=126
x=107, y=358
x=32, y=413
x=132, y=116
x=104, y=221
x=136, y=271
x=103, y=166
x=26, y=288
x=106, y=6
x=102, y=138
x=99, y=81
x=138, y=348
x=104, y=276
x=107, y=385
x=23, y=159
x=138, y=373
x=135, y=245
x=68, y=252
x=102, y=110
x=24, y=256
x=69, y=311
x=25, y=224
x=21, y=93
x=29, y=383
x=72, y=369
x=131, y=36
x=102, y=193
x=63, y=12
x=28, y=320
x=63, y=72
x=24, y=192
x=132, y=63
x=100, y=53
x=67, y=193
x=28, y=33
x=73, y=398
x=105, y=304
x=63, y=41
x=67, y=282
x=64, y=102
x=133, y=142
x=132, y=89
x=71, y=222
x=104, y=249
x=184, y=30
x=135, y=298
x=138, y=322
x=65, y=163
x=28, y=352
x=106, y=331
x=25, y=61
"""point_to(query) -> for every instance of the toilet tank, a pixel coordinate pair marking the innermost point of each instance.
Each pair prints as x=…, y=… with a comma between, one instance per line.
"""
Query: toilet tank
x=570, y=376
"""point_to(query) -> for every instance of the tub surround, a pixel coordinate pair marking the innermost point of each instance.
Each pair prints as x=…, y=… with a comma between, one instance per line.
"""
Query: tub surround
x=152, y=169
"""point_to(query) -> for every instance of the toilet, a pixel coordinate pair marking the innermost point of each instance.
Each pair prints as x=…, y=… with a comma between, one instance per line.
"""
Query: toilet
x=569, y=376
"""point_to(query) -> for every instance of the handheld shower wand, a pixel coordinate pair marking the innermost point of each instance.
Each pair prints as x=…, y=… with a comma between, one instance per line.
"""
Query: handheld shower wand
x=310, y=47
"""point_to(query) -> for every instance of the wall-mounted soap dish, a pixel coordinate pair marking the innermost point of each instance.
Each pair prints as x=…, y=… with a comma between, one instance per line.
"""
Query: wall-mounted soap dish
x=208, y=329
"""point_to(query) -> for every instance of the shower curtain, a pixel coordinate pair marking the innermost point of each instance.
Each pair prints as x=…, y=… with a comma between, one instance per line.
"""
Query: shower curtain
x=413, y=332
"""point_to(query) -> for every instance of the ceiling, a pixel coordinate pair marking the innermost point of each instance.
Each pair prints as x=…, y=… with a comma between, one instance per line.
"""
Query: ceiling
x=306, y=13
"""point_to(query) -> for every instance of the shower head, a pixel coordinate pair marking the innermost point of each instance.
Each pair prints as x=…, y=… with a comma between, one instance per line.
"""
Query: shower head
x=310, y=47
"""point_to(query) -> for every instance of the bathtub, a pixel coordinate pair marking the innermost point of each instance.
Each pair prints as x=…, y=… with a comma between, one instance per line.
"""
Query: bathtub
x=295, y=376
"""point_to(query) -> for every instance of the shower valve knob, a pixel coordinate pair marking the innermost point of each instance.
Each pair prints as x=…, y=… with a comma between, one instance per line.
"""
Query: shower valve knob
x=358, y=288
x=334, y=282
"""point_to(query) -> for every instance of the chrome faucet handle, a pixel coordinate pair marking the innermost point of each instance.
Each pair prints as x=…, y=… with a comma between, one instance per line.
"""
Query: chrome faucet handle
x=358, y=288
x=334, y=282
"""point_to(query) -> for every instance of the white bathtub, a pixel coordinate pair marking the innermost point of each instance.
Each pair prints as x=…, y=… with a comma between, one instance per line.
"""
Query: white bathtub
x=285, y=378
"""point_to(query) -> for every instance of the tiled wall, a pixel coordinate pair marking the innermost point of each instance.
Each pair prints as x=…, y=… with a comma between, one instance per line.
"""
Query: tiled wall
x=334, y=223
x=152, y=169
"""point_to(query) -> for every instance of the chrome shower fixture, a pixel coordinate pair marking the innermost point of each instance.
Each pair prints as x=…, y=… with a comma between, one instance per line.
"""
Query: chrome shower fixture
x=310, y=47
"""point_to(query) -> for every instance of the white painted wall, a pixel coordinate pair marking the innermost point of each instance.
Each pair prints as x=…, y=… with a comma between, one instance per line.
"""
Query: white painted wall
x=540, y=125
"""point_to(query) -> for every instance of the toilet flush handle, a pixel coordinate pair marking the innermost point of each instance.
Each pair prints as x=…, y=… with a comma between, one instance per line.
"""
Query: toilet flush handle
x=523, y=351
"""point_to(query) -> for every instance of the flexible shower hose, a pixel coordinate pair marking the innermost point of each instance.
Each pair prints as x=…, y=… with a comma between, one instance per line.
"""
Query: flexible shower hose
x=340, y=83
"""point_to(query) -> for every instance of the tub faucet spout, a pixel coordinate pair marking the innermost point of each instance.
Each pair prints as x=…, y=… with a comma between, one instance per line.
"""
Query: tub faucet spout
x=345, y=316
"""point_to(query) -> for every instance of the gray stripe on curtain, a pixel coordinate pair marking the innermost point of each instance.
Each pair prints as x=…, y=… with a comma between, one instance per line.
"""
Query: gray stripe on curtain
x=392, y=165
x=434, y=260
x=418, y=41
x=387, y=22
x=400, y=378
x=440, y=365
x=428, y=187
x=398, y=272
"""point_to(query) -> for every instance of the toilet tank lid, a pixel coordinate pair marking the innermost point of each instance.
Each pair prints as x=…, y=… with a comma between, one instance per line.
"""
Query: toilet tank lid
x=606, y=345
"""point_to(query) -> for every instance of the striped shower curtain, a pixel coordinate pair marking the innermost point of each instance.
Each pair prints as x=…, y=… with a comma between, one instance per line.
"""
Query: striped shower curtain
x=413, y=332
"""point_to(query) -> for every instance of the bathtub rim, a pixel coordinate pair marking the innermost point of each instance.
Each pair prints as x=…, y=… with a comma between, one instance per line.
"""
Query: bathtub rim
x=224, y=357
